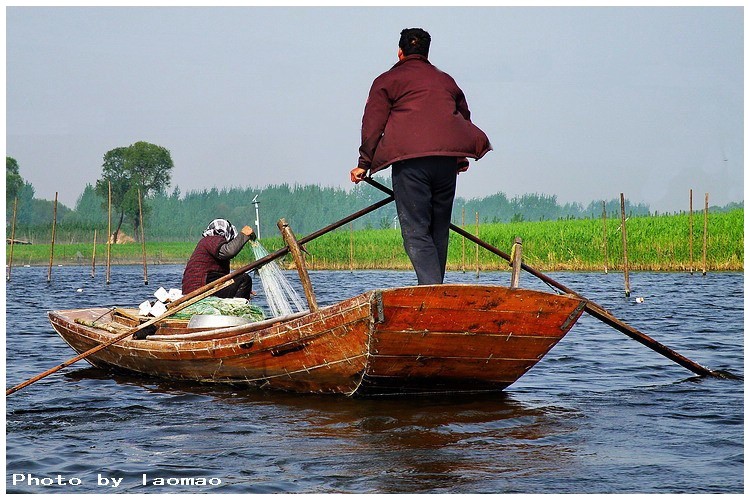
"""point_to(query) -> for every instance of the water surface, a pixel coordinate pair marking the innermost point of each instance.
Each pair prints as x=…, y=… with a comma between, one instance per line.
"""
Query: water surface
x=599, y=414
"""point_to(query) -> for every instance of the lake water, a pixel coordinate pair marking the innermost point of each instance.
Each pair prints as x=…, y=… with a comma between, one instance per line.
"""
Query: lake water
x=599, y=414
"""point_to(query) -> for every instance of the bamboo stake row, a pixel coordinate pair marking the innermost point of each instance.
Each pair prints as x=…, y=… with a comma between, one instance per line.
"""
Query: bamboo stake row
x=624, y=238
x=351, y=242
x=93, y=255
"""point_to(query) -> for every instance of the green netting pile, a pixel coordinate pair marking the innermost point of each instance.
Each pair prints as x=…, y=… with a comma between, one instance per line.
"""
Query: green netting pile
x=227, y=307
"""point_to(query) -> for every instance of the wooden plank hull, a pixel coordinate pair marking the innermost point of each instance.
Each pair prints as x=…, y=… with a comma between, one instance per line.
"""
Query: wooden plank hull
x=423, y=339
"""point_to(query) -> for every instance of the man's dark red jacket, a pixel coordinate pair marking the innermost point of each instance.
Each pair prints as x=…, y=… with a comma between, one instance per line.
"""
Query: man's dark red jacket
x=415, y=110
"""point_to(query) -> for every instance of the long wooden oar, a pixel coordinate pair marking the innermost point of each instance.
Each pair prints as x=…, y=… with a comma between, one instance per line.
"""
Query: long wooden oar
x=591, y=307
x=120, y=337
x=202, y=292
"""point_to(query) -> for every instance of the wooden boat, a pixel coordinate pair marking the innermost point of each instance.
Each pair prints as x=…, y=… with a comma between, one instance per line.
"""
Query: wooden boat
x=419, y=339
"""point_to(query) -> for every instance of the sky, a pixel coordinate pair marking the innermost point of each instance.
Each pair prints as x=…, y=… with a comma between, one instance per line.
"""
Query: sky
x=583, y=103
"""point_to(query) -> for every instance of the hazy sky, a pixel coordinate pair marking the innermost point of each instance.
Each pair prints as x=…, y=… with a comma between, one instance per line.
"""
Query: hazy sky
x=582, y=103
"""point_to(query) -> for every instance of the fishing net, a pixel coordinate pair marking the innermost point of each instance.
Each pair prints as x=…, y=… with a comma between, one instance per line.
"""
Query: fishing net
x=281, y=297
x=228, y=307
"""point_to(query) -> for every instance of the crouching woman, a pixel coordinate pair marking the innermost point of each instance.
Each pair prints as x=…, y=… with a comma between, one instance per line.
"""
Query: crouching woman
x=210, y=260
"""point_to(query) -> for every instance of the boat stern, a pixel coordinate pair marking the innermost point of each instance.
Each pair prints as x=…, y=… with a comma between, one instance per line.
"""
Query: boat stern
x=461, y=338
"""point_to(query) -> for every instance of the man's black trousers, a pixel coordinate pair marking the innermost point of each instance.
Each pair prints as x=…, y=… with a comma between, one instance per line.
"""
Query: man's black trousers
x=424, y=189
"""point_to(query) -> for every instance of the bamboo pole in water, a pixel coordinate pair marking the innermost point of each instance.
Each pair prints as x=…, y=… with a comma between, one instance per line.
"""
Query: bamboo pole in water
x=143, y=239
x=52, y=246
x=476, y=217
x=109, y=228
x=690, y=240
x=463, y=240
x=12, y=237
x=705, y=233
x=624, y=246
x=93, y=257
x=351, y=247
x=604, y=225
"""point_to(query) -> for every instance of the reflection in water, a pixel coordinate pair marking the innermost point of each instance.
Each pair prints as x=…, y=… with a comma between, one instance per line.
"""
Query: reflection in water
x=388, y=444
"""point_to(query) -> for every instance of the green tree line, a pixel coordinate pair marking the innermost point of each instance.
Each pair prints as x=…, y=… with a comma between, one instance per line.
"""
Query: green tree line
x=177, y=217
x=174, y=216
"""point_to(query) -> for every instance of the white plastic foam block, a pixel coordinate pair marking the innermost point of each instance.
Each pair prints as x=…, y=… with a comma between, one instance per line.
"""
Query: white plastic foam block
x=174, y=294
x=158, y=309
x=144, y=308
x=161, y=294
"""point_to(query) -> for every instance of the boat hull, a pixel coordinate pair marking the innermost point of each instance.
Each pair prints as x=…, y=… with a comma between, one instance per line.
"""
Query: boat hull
x=422, y=339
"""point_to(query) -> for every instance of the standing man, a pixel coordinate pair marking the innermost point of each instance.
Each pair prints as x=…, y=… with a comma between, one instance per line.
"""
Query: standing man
x=416, y=120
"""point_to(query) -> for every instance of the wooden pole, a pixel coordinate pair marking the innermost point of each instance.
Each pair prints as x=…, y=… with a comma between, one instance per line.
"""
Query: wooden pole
x=591, y=307
x=143, y=239
x=624, y=245
x=476, y=217
x=12, y=237
x=109, y=228
x=52, y=245
x=690, y=237
x=463, y=240
x=93, y=257
x=705, y=233
x=604, y=224
x=299, y=260
x=515, y=262
x=351, y=247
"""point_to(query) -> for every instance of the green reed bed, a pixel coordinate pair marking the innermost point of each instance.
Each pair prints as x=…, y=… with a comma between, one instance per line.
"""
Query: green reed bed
x=657, y=243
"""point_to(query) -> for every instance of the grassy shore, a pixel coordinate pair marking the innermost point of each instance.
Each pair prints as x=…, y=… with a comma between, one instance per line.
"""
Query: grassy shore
x=658, y=243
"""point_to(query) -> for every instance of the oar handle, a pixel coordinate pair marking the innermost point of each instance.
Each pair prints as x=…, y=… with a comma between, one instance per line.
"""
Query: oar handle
x=591, y=307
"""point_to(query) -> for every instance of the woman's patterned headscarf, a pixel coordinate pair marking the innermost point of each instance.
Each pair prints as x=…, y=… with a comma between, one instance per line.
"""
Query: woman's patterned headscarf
x=221, y=227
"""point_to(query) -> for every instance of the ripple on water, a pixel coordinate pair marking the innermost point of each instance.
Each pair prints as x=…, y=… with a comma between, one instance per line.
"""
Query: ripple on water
x=599, y=414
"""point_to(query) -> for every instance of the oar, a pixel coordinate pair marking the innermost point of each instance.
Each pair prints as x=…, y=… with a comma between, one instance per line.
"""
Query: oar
x=202, y=292
x=120, y=337
x=591, y=307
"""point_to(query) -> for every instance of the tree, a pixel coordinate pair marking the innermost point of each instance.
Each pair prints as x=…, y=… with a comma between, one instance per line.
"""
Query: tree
x=88, y=209
x=13, y=181
x=140, y=167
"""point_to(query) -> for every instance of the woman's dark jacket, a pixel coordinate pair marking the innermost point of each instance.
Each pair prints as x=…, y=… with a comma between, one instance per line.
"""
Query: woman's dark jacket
x=212, y=254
